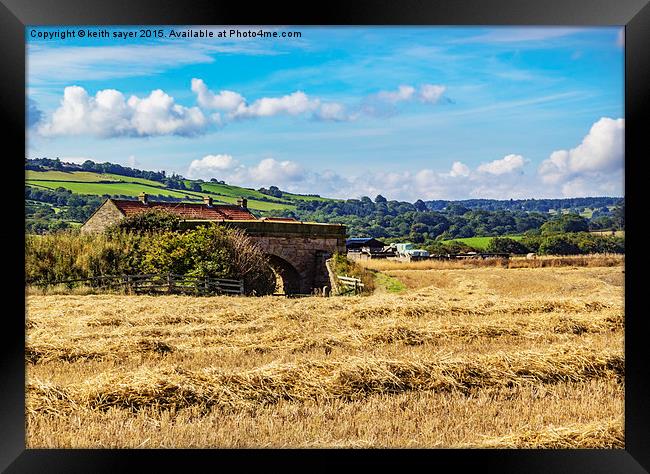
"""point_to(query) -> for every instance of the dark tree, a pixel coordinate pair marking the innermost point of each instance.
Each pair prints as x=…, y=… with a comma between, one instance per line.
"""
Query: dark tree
x=506, y=245
x=420, y=206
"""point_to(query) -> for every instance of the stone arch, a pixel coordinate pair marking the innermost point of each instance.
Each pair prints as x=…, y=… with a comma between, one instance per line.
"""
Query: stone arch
x=287, y=277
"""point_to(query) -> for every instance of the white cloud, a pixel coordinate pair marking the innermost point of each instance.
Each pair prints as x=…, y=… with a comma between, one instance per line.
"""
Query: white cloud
x=598, y=160
x=272, y=171
x=459, y=183
x=292, y=104
x=375, y=105
x=224, y=100
x=103, y=115
x=431, y=93
x=403, y=93
x=159, y=115
x=265, y=173
x=211, y=166
x=594, y=186
x=332, y=111
x=459, y=169
x=295, y=103
x=108, y=114
x=507, y=164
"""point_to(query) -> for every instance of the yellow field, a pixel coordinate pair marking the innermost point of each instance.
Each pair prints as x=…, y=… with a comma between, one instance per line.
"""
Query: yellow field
x=474, y=357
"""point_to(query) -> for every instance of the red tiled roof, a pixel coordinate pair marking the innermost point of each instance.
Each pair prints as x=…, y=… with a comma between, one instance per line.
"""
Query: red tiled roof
x=187, y=210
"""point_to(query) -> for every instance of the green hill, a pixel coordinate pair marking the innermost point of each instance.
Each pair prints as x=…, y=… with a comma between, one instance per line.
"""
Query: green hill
x=100, y=184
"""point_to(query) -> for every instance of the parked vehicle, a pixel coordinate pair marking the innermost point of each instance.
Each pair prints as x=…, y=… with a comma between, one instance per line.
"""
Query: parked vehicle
x=407, y=250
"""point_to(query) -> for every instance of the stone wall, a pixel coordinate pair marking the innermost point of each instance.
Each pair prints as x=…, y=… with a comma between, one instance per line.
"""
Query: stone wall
x=303, y=245
x=306, y=254
x=107, y=214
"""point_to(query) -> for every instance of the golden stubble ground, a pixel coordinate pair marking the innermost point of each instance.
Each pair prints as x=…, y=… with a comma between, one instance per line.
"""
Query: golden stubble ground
x=474, y=357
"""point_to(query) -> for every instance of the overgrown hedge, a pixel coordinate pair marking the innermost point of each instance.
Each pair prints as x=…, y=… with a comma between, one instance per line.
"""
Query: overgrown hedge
x=207, y=251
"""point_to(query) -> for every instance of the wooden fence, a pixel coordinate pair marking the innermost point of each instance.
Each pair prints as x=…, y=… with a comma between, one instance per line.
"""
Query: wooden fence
x=353, y=285
x=159, y=283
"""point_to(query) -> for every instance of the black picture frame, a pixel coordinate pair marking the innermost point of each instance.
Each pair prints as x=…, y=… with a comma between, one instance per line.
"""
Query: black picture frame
x=15, y=15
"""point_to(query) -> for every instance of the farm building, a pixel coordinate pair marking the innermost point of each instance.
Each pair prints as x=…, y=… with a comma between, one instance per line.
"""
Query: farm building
x=357, y=243
x=365, y=248
x=114, y=210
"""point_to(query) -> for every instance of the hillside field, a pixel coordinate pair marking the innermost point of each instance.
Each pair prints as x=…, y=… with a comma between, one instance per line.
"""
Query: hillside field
x=89, y=183
x=457, y=357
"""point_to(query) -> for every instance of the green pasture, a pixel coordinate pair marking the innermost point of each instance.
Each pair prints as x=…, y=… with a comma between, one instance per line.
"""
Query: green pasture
x=99, y=189
x=85, y=182
x=480, y=243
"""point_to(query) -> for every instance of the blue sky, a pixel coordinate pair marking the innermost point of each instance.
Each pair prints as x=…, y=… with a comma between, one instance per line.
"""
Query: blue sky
x=417, y=112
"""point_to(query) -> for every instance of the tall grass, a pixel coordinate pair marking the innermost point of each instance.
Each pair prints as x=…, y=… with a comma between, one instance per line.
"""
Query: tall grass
x=71, y=255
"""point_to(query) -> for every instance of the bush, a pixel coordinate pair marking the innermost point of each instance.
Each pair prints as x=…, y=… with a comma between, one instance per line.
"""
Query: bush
x=590, y=243
x=531, y=242
x=506, y=245
x=209, y=251
x=558, y=245
x=149, y=221
x=566, y=223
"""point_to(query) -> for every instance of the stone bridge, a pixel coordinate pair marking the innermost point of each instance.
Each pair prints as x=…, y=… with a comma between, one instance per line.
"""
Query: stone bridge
x=297, y=251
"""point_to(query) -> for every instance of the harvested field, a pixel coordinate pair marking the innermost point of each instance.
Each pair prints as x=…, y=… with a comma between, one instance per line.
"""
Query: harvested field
x=540, y=261
x=474, y=357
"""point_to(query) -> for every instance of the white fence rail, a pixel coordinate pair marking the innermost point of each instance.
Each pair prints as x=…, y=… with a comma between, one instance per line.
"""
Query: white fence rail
x=353, y=285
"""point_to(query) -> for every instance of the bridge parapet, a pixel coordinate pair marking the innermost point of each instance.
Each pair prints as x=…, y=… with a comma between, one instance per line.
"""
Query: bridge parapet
x=293, y=229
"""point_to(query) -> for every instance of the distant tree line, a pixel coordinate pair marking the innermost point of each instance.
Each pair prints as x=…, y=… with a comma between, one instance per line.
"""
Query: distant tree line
x=44, y=164
x=576, y=205
x=559, y=244
x=397, y=219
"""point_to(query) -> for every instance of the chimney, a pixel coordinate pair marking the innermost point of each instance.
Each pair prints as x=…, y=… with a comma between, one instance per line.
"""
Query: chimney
x=207, y=200
x=242, y=202
x=143, y=198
